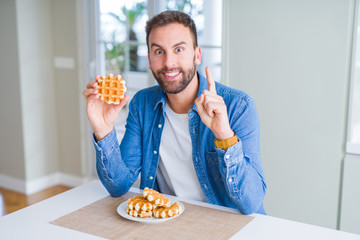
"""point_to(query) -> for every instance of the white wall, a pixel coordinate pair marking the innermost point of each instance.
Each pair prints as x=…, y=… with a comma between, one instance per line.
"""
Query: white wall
x=37, y=87
x=40, y=124
x=292, y=56
x=11, y=137
x=66, y=83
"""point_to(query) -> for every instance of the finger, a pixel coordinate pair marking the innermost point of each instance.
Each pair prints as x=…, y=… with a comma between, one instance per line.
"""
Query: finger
x=210, y=97
x=117, y=107
x=123, y=101
x=92, y=84
x=211, y=94
x=204, y=106
x=91, y=98
x=97, y=77
x=89, y=92
x=200, y=99
x=210, y=80
x=201, y=110
x=213, y=104
x=199, y=105
x=213, y=108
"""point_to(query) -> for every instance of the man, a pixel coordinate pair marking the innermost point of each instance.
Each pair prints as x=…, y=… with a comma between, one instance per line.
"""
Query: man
x=189, y=136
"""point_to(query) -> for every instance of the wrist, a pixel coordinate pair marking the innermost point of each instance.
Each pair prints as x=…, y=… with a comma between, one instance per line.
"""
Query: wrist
x=100, y=135
x=224, y=135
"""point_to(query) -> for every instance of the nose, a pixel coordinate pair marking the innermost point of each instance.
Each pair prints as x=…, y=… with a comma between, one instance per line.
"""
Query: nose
x=169, y=60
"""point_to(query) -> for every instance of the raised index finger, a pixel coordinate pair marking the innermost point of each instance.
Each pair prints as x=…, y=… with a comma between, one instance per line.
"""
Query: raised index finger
x=210, y=80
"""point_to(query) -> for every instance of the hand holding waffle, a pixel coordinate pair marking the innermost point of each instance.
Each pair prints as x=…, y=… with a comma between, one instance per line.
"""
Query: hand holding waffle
x=102, y=115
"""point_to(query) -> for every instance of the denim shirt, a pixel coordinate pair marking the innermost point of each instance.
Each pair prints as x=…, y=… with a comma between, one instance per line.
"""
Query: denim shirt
x=232, y=178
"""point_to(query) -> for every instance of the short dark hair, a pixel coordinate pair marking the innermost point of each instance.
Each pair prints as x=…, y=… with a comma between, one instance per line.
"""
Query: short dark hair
x=168, y=17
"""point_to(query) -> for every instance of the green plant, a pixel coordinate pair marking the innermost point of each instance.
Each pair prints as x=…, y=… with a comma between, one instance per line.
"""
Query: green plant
x=115, y=56
x=185, y=6
x=128, y=17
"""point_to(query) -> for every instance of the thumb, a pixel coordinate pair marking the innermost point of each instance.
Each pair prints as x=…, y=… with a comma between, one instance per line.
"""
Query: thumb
x=122, y=103
x=201, y=109
x=199, y=104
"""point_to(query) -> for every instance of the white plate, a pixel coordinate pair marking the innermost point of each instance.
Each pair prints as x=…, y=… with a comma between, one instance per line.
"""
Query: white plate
x=121, y=209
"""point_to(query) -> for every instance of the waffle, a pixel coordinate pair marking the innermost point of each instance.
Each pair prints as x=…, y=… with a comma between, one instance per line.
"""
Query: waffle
x=141, y=214
x=164, y=212
x=111, y=89
x=138, y=203
x=156, y=198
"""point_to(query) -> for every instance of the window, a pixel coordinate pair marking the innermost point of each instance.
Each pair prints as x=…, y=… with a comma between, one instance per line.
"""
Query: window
x=114, y=41
x=122, y=35
x=207, y=17
x=122, y=40
x=353, y=141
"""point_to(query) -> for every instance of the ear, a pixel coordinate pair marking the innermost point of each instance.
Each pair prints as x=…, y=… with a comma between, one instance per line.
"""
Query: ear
x=198, y=55
x=149, y=61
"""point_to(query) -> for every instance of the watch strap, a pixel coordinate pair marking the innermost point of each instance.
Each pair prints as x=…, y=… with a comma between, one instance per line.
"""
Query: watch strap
x=226, y=143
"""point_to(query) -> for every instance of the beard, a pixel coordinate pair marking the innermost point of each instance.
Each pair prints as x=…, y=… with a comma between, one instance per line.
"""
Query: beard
x=174, y=87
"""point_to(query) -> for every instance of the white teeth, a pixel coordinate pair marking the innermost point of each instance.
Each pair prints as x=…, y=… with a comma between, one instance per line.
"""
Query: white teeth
x=171, y=74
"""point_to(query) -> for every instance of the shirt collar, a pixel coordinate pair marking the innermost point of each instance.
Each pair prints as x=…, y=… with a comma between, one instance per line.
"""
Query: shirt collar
x=160, y=96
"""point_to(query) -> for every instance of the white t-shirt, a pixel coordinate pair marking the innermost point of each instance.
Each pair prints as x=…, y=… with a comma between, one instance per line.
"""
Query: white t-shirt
x=176, y=173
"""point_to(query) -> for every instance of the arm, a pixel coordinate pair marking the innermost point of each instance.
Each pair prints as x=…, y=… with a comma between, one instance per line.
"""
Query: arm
x=116, y=175
x=118, y=167
x=240, y=165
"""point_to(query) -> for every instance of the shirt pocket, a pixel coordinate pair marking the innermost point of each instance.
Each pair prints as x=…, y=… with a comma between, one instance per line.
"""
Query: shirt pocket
x=212, y=162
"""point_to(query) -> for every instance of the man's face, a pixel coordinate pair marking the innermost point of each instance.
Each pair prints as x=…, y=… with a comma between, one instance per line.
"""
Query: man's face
x=172, y=57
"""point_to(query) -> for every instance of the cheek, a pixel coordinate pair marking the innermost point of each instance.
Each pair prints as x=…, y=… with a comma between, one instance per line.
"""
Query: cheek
x=153, y=63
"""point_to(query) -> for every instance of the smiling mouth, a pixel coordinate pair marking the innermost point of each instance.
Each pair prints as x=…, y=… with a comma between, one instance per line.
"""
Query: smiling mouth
x=171, y=75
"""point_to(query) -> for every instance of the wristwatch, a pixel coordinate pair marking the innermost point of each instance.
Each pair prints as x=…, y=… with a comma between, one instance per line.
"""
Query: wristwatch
x=226, y=143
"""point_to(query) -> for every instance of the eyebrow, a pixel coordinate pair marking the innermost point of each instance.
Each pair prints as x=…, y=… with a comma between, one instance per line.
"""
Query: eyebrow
x=176, y=44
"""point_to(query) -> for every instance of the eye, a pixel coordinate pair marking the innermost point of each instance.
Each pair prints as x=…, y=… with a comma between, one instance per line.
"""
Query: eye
x=179, y=49
x=159, y=51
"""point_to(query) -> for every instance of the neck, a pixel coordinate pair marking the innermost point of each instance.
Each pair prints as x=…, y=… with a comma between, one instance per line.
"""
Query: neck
x=183, y=101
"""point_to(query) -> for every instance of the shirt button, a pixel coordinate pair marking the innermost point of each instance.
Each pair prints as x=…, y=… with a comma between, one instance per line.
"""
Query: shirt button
x=227, y=156
x=159, y=126
x=155, y=152
x=151, y=178
x=230, y=180
x=205, y=186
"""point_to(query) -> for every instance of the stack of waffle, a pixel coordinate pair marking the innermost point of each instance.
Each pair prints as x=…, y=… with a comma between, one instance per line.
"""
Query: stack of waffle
x=152, y=203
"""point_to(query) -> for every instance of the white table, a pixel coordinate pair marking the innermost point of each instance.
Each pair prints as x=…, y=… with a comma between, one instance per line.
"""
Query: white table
x=33, y=222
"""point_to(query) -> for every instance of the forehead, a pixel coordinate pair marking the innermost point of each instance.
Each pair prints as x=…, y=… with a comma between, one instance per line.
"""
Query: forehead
x=170, y=34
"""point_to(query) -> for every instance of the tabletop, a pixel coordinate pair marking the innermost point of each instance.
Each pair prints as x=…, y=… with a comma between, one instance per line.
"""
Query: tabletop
x=33, y=222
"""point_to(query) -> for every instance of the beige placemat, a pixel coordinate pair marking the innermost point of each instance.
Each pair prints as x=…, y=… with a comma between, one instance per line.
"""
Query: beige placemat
x=101, y=219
